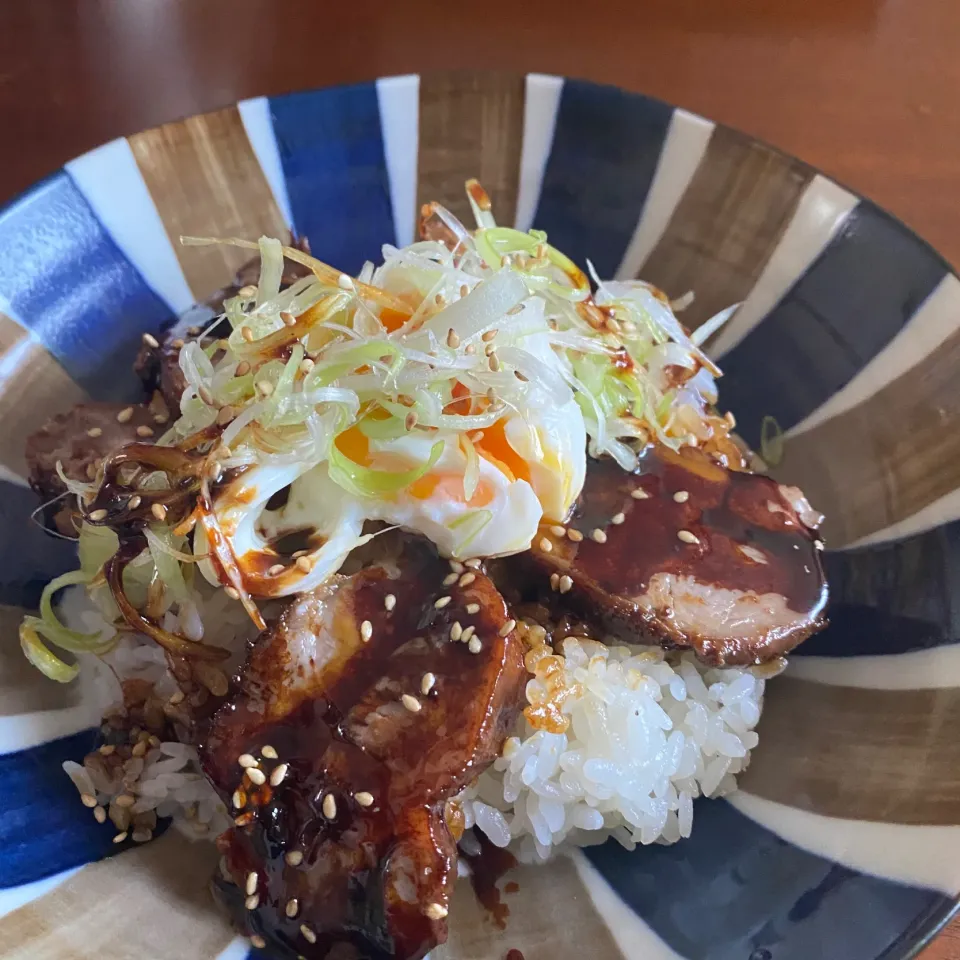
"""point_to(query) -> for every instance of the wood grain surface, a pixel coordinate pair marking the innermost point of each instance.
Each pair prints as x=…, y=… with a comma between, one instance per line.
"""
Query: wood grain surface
x=863, y=89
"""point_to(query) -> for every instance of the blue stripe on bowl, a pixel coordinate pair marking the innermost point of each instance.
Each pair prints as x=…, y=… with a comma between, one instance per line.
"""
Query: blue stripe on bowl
x=331, y=149
x=892, y=597
x=44, y=828
x=63, y=277
x=604, y=156
x=867, y=283
x=736, y=891
x=29, y=557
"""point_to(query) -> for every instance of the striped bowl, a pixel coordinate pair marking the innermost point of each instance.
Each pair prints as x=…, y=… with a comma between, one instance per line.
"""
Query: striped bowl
x=845, y=839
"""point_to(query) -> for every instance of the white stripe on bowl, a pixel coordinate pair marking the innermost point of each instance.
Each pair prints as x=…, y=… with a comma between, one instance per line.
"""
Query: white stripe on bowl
x=921, y=856
x=399, y=102
x=946, y=509
x=634, y=938
x=540, y=105
x=238, y=949
x=13, y=898
x=682, y=151
x=255, y=114
x=937, y=318
x=822, y=210
x=933, y=669
x=112, y=184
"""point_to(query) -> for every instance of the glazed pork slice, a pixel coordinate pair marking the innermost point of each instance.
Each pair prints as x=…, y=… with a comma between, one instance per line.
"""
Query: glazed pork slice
x=363, y=717
x=691, y=555
x=80, y=439
x=159, y=366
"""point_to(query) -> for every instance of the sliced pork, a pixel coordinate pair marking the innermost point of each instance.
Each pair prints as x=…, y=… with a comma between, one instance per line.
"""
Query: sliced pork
x=358, y=716
x=691, y=555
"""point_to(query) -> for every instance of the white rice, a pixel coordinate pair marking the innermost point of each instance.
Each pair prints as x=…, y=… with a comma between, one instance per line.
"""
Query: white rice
x=648, y=733
x=167, y=781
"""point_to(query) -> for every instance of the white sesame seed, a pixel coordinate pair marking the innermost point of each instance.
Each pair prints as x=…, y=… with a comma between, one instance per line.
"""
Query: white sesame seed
x=456, y=566
x=247, y=334
x=411, y=703
x=545, y=545
x=329, y=806
x=489, y=335
x=566, y=584
x=292, y=908
x=441, y=603
x=687, y=537
x=134, y=501
x=467, y=579
x=251, y=884
x=247, y=760
x=294, y=858
x=366, y=631
x=88, y=800
x=456, y=631
x=277, y=775
x=598, y=535
x=554, y=580
x=159, y=511
x=243, y=368
x=494, y=363
x=276, y=569
x=474, y=563
x=232, y=592
x=239, y=799
x=125, y=800
x=467, y=633
x=618, y=518
x=389, y=602
x=819, y=544
x=124, y=415
x=575, y=535
x=288, y=318
x=558, y=531
x=98, y=515
x=305, y=564
x=508, y=627
x=94, y=432
x=453, y=341
x=363, y=798
x=427, y=682
x=248, y=291
x=257, y=941
x=450, y=579
x=344, y=282
x=251, y=903
x=264, y=388
x=474, y=646
x=120, y=837
x=99, y=814
x=472, y=608
x=681, y=496
x=308, y=934
x=151, y=341
x=435, y=911
x=206, y=396
x=639, y=494
x=257, y=776
x=176, y=698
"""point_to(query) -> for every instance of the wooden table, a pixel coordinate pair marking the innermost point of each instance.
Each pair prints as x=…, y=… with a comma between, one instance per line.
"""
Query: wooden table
x=864, y=89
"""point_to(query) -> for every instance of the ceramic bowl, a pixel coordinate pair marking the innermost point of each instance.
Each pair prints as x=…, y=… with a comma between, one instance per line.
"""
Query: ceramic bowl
x=844, y=840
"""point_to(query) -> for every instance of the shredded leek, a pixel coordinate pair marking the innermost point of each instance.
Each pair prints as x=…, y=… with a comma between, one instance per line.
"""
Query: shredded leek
x=771, y=441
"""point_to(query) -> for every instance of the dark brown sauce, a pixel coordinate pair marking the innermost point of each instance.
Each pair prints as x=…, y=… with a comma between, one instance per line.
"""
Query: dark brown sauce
x=487, y=869
x=313, y=715
x=724, y=509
